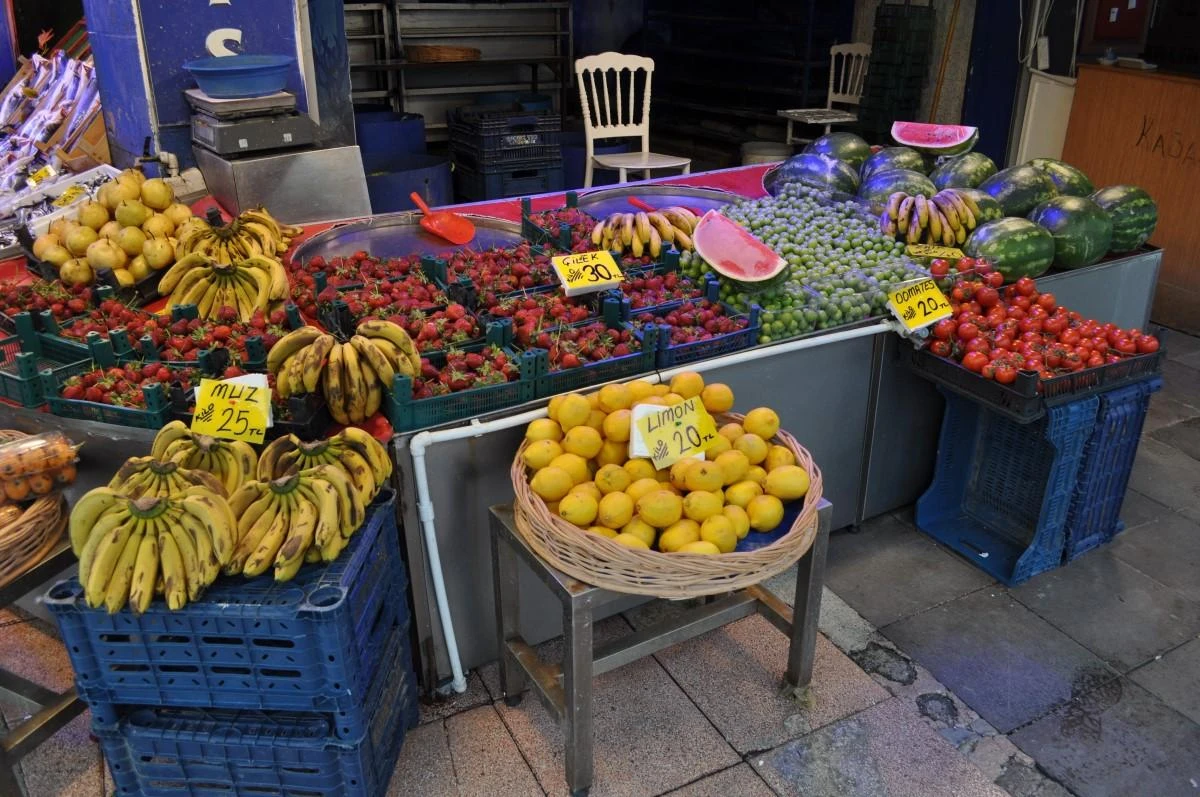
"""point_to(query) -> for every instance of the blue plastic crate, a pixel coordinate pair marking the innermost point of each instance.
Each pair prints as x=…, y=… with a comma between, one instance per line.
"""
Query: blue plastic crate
x=1094, y=516
x=310, y=644
x=1001, y=489
x=166, y=752
x=669, y=355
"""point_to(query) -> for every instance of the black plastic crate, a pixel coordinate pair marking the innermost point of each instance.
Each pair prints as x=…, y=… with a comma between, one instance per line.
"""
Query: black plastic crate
x=484, y=162
x=504, y=133
x=515, y=179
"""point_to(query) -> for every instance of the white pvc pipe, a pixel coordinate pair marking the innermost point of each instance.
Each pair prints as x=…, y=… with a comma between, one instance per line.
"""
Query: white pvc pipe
x=423, y=440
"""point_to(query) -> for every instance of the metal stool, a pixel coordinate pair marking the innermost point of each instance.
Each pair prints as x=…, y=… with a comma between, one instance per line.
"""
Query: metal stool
x=566, y=689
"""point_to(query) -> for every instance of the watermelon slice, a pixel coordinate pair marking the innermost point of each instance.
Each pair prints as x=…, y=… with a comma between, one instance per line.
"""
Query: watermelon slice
x=935, y=139
x=733, y=252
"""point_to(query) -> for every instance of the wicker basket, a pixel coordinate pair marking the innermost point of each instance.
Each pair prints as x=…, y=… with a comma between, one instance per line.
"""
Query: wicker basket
x=27, y=540
x=599, y=561
x=440, y=53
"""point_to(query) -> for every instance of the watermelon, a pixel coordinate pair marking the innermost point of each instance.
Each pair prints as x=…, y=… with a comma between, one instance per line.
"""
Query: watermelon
x=989, y=209
x=1016, y=247
x=879, y=186
x=1066, y=178
x=892, y=158
x=1082, y=230
x=935, y=139
x=963, y=171
x=846, y=147
x=819, y=171
x=1133, y=214
x=1019, y=189
x=733, y=252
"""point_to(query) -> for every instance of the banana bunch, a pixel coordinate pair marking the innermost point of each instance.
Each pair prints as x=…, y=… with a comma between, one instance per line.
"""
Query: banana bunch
x=307, y=515
x=246, y=284
x=645, y=233
x=156, y=477
x=353, y=375
x=128, y=547
x=364, y=459
x=229, y=462
x=254, y=233
x=945, y=219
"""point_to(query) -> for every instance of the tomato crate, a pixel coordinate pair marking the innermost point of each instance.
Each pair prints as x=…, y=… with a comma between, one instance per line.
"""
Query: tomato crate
x=21, y=366
x=169, y=752
x=551, y=382
x=1002, y=489
x=1094, y=516
x=310, y=644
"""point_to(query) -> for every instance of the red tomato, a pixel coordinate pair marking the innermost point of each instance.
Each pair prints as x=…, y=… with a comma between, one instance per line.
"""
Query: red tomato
x=1023, y=302
x=1006, y=374
x=1095, y=360
x=988, y=371
x=987, y=296
x=1071, y=337
x=1026, y=286
x=1003, y=342
x=1073, y=362
x=974, y=361
x=985, y=268
x=944, y=329
x=1016, y=312
x=974, y=307
x=1054, y=325
x=1147, y=344
x=1125, y=346
x=958, y=295
x=1112, y=358
x=939, y=267
x=1047, y=300
x=967, y=330
x=1034, y=363
x=1030, y=325
x=964, y=264
x=1054, y=357
x=941, y=348
x=978, y=344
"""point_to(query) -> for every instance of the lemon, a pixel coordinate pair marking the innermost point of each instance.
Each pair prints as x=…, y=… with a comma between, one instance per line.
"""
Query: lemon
x=678, y=473
x=664, y=477
x=552, y=407
x=630, y=541
x=687, y=384
x=787, y=483
x=596, y=420
x=739, y=518
x=717, y=447
x=539, y=453
x=717, y=397
x=612, y=479
x=719, y=530
x=603, y=532
x=742, y=493
x=543, y=429
x=578, y=508
x=642, y=487
x=616, y=425
x=551, y=483
x=575, y=466
x=616, y=510
x=660, y=390
x=655, y=400
x=762, y=421
x=640, y=469
x=753, y=446
x=615, y=397
x=700, y=546
x=640, y=529
x=764, y=512
x=593, y=400
x=587, y=488
x=733, y=465
x=671, y=399
x=613, y=453
x=574, y=410
x=660, y=508
x=639, y=389
x=758, y=475
x=778, y=457
x=704, y=476
x=731, y=431
x=700, y=505
x=678, y=534
x=582, y=440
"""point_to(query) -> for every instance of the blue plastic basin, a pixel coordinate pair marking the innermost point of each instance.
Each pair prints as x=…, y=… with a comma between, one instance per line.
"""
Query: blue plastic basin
x=233, y=77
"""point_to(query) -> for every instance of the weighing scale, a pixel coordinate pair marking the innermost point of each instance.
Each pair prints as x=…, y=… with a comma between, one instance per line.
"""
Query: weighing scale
x=232, y=128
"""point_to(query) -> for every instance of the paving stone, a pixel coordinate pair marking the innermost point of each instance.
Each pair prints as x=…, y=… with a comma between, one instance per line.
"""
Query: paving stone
x=1166, y=475
x=739, y=781
x=1137, y=509
x=1184, y=436
x=1167, y=411
x=485, y=758
x=67, y=764
x=885, y=750
x=1117, y=740
x=1167, y=550
x=888, y=571
x=1111, y=608
x=425, y=768
x=1191, y=360
x=1175, y=679
x=1181, y=382
x=1023, y=780
x=1000, y=658
x=476, y=695
x=1181, y=345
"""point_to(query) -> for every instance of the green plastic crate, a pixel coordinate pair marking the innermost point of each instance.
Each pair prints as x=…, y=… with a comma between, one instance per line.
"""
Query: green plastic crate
x=407, y=414
x=20, y=373
x=156, y=415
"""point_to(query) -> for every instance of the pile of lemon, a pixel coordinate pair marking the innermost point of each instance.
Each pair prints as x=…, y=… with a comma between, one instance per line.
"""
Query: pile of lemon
x=580, y=466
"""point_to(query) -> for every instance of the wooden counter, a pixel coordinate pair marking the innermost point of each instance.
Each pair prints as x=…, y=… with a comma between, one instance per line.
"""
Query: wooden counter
x=1130, y=126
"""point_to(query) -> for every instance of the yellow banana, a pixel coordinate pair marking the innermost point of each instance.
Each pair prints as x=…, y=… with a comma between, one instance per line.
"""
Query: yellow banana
x=174, y=576
x=335, y=396
x=264, y=553
x=311, y=374
x=145, y=573
x=104, y=562
x=374, y=451
x=300, y=534
x=375, y=358
x=289, y=344
x=351, y=510
x=87, y=511
x=116, y=593
x=324, y=497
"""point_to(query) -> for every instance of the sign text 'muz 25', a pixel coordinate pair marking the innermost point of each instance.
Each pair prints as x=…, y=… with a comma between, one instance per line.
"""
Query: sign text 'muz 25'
x=232, y=410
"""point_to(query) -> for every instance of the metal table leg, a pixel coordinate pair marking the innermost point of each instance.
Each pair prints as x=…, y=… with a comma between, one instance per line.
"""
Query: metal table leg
x=508, y=612
x=810, y=580
x=577, y=686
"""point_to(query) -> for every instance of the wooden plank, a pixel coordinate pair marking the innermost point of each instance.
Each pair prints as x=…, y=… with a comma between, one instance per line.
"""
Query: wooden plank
x=1143, y=128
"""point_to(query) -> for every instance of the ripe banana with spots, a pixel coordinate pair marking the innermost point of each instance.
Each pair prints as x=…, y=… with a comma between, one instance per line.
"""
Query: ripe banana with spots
x=645, y=233
x=945, y=219
x=231, y=462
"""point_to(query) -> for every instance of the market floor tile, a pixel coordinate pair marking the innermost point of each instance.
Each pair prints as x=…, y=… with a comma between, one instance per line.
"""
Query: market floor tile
x=1166, y=474
x=889, y=570
x=485, y=758
x=1137, y=509
x=1113, y=609
x=425, y=768
x=440, y=708
x=1184, y=436
x=738, y=781
x=1181, y=345
x=1181, y=381
x=886, y=750
x=1166, y=412
x=1175, y=679
x=1167, y=550
x=1114, y=741
x=68, y=764
x=1001, y=659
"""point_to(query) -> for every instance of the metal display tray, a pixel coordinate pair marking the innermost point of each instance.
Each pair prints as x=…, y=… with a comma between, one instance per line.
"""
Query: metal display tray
x=606, y=201
x=401, y=235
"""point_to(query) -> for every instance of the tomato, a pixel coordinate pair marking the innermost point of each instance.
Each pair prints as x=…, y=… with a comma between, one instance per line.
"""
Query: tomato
x=939, y=267
x=1006, y=374
x=1054, y=325
x=1147, y=344
x=1030, y=325
x=967, y=330
x=995, y=279
x=988, y=371
x=1073, y=362
x=1095, y=360
x=1003, y=342
x=987, y=296
x=984, y=268
x=978, y=344
x=1026, y=286
x=974, y=361
x=1023, y=302
x=1034, y=363
x=1046, y=374
x=974, y=307
x=1113, y=335
x=1047, y=300
x=1054, y=357
x=944, y=329
x=1112, y=358
x=941, y=348
x=965, y=264
x=1071, y=337
x=1125, y=346
x=958, y=295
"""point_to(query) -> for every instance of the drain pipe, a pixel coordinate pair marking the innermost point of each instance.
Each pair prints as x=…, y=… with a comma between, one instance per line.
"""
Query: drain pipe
x=422, y=440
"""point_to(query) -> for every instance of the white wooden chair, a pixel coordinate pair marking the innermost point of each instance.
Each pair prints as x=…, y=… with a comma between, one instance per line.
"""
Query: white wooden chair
x=609, y=85
x=847, y=79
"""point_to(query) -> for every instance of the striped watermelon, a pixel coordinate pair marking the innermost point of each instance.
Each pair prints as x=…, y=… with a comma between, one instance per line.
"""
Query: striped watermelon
x=893, y=158
x=846, y=147
x=1066, y=178
x=989, y=209
x=1134, y=215
x=1015, y=247
x=1082, y=230
x=963, y=171
x=819, y=171
x=1019, y=189
x=879, y=186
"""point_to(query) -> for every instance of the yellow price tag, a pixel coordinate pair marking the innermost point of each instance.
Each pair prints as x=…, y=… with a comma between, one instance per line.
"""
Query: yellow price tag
x=232, y=410
x=919, y=304
x=670, y=434
x=929, y=250
x=39, y=175
x=69, y=196
x=587, y=272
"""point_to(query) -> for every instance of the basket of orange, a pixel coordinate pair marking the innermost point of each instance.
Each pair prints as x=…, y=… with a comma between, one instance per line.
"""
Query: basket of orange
x=589, y=499
x=33, y=515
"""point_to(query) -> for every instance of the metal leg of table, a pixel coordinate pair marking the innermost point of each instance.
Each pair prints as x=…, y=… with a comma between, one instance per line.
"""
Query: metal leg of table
x=577, y=688
x=810, y=580
x=508, y=613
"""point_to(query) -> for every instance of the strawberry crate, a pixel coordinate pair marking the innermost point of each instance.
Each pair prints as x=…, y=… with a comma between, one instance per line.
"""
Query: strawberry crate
x=157, y=414
x=313, y=643
x=672, y=354
x=22, y=363
x=560, y=235
x=306, y=416
x=555, y=380
x=62, y=346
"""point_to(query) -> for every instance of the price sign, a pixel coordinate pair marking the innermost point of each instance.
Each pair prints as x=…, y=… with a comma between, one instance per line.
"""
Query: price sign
x=919, y=304
x=929, y=250
x=587, y=272
x=39, y=175
x=70, y=195
x=669, y=434
x=233, y=409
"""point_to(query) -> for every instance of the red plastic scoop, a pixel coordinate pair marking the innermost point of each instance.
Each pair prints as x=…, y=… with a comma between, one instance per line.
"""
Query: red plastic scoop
x=648, y=208
x=454, y=228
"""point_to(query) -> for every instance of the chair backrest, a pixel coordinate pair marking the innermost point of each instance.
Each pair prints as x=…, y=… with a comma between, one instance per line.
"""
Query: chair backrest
x=847, y=73
x=614, y=92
